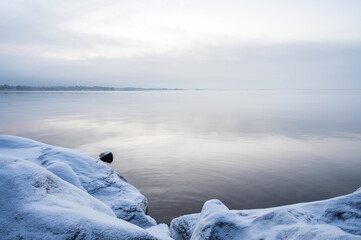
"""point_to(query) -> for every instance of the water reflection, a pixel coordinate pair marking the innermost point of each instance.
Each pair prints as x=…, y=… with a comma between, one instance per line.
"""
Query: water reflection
x=248, y=148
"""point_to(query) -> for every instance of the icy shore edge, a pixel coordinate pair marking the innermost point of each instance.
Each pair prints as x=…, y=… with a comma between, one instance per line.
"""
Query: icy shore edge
x=49, y=192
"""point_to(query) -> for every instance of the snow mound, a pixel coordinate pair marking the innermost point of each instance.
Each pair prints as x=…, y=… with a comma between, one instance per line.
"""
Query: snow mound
x=86, y=173
x=36, y=204
x=337, y=218
x=49, y=192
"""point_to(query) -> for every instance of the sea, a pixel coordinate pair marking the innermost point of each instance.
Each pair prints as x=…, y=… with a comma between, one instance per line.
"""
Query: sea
x=247, y=148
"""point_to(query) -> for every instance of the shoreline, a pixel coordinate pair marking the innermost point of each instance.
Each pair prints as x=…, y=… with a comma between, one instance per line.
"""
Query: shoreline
x=61, y=174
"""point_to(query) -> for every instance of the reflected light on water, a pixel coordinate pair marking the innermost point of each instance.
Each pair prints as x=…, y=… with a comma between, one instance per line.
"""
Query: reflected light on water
x=249, y=149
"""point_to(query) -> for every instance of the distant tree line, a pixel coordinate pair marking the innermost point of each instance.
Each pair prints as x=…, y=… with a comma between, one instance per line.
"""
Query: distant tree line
x=77, y=88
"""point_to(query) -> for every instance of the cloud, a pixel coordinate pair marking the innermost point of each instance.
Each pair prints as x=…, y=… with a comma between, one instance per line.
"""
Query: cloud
x=302, y=65
x=165, y=43
x=126, y=29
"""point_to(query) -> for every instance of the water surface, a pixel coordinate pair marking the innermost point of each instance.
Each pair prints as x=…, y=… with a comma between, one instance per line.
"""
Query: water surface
x=250, y=149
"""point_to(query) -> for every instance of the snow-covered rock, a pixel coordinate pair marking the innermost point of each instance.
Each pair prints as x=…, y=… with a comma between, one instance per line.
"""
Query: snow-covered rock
x=49, y=192
x=86, y=173
x=183, y=227
x=36, y=204
x=337, y=218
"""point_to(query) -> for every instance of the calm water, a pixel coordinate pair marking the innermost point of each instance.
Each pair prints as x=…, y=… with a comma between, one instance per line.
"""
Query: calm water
x=250, y=149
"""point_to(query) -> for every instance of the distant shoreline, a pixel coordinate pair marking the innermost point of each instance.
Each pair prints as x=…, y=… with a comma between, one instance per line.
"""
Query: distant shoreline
x=80, y=88
x=21, y=88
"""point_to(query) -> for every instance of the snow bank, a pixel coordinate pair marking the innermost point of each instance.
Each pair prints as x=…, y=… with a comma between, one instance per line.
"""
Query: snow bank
x=49, y=192
x=36, y=204
x=86, y=173
x=337, y=218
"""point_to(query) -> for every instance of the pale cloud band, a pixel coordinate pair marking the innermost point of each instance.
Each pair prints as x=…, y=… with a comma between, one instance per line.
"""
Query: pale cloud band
x=199, y=40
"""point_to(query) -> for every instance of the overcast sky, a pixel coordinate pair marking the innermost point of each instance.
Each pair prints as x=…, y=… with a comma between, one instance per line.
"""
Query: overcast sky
x=231, y=44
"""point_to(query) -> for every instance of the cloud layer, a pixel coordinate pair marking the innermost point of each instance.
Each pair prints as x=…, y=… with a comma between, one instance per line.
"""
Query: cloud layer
x=164, y=43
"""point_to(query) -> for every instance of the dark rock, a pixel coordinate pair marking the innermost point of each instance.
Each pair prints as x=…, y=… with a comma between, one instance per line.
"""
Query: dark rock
x=106, y=157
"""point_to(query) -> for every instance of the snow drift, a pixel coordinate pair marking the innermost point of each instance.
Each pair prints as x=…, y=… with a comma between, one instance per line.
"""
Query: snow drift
x=338, y=218
x=49, y=192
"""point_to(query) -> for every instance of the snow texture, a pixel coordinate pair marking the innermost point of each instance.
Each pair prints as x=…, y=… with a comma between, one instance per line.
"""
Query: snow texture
x=84, y=172
x=337, y=218
x=49, y=192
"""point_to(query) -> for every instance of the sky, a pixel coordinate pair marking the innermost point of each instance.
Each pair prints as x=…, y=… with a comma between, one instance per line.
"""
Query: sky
x=228, y=44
